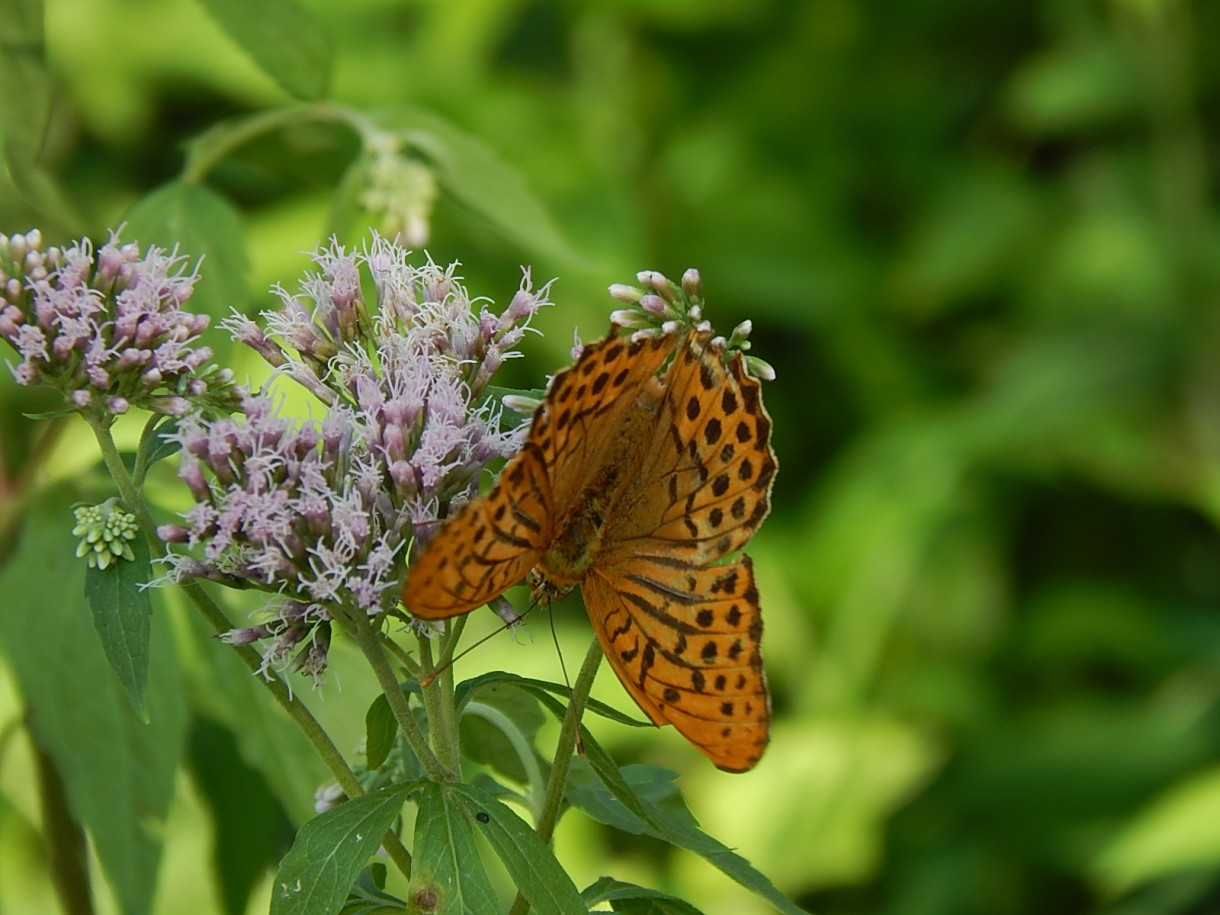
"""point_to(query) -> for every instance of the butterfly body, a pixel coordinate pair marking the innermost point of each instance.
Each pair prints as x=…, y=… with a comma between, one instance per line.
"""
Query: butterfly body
x=646, y=467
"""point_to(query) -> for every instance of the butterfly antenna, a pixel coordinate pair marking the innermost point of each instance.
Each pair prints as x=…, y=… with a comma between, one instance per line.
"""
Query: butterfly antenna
x=429, y=678
x=580, y=746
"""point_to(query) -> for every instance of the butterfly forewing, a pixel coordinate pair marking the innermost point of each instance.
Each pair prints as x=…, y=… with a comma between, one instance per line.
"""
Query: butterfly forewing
x=709, y=469
x=488, y=546
x=678, y=467
x=587, y=403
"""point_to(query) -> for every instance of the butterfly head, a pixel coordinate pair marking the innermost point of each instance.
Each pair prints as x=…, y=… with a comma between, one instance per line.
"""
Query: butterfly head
x=543, y=590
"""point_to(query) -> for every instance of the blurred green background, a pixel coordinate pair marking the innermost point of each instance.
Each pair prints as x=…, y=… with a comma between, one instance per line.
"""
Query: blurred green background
x=979, y=244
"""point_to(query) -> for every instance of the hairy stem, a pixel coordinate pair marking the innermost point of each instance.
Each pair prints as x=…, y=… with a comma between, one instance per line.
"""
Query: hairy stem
x=441, y=728
x=369, y=641
x=439, y=703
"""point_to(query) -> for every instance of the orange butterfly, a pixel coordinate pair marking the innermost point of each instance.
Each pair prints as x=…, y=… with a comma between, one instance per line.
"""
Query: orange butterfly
x=647, y=462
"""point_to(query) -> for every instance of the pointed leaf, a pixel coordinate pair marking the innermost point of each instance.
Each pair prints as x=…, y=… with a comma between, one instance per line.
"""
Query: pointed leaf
x=467, y=689
x=369, y=896
x=475, y=175
x=635, y=900
x=498, y=729
x=447, y=874
x=122, y=615
x=532, y=865
x=319, y=871
x=162, y=446
x=252, y=830
x=118, y=772
x=285, y=39
x=380, y=729
x=653, y=784
x=675, y=829
x=678, y=831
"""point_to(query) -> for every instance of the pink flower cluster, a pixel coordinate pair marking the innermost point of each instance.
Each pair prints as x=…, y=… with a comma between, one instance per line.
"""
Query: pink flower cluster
x=320, y=513
x=107, y=328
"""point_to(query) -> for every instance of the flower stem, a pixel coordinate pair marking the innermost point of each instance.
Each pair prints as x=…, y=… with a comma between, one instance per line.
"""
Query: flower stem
x=552, y=802
x=369, y=641
x=553, y=799
x=147, y=445
x=439, y=704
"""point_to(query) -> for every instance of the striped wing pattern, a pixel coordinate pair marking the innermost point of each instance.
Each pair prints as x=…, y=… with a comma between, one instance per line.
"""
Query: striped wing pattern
x=676, y=614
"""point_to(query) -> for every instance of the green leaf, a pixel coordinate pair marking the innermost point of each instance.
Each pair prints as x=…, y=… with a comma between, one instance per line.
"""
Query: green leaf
x=199, y=223
x=51, y=414
x=1178, y=832
x=498, y=729
x=285, y=39
x=122, y=615
x=380, y=729
x=43, y=192
x=674, y=826
x=320, y=869
x=636, y=900
x=447, y=872
x=161, y=446
x=652, y=784
x=369, y=896
x=25, y=88
x=118, y=771
x=681, y=832
x=467, y=689
x=531, y=865
x=473, y=174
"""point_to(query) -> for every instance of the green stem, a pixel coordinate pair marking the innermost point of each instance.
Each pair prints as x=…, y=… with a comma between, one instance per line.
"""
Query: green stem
x=122, y=480
x=439, y=702
x=145, y=448
x=449, y=641
x=404, y=658
x=444, y=744
x=368, y=639
x=552, y=802
x=222, y=141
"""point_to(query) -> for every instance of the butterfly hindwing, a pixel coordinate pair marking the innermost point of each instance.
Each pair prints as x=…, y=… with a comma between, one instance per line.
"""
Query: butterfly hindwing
x=685, y=643
x=670, y=444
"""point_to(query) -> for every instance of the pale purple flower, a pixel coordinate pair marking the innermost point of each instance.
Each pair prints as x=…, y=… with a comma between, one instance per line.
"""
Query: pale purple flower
x=107, y=330
x=321, y=512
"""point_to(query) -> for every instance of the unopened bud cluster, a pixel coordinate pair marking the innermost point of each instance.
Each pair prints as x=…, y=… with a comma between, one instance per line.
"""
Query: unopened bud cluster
x=105, y=532
x=659, y=306
x=399, y=192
